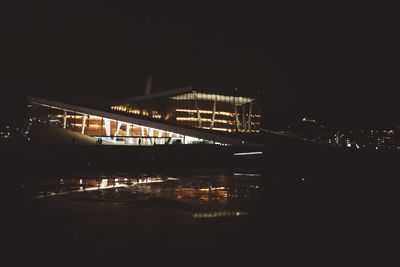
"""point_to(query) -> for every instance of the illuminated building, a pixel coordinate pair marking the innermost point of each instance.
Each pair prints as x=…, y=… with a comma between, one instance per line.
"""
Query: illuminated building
x=197, y=107
x=180, y=116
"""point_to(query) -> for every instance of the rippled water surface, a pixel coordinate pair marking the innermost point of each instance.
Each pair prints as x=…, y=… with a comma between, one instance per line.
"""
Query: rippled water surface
x=203, y=218
x=202, y=195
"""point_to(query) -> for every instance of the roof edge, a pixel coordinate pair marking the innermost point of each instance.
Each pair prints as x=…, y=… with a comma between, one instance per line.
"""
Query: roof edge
x=178, y=90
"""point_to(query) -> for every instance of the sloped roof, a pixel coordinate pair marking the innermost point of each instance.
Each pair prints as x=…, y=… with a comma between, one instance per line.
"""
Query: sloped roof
x=195, y=132
x=186, y=92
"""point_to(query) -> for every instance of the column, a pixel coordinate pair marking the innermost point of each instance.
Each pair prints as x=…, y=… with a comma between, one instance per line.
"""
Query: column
x=213, y=114
x=83, y=123
x=198, y=110
x=249, y=120
x=244, y=123
x=65, y=119
x=107, y=126
x=236, y=118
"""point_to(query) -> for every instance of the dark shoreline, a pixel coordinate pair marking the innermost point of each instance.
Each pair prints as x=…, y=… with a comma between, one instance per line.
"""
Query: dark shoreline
x=89, y=158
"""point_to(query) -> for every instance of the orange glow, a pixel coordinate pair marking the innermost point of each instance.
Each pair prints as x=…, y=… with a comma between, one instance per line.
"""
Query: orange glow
x=126, y=109
x=91, y=125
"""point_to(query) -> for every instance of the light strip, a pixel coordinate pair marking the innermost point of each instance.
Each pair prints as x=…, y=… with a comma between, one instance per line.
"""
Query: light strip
x=204, y=119
x=236, y=100
x=206, y=112
x=126, y=109
x=218, y=129
x=247, y=174
x=78, y=117
x=248, y=153
x=216, y=214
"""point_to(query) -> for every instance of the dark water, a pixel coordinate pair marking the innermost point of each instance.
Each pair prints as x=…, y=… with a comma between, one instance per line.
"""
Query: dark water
x=210, y=195
x=203, y=218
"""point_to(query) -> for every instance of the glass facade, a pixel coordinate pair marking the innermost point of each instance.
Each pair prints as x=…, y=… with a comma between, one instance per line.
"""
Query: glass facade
x=200, y=110
x=107, y=130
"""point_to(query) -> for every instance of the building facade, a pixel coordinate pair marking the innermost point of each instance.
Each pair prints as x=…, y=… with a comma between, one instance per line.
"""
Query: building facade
x=188, y=115
x=197, y=107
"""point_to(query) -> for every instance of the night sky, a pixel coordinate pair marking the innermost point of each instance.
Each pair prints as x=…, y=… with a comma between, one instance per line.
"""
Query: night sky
x=335, y=60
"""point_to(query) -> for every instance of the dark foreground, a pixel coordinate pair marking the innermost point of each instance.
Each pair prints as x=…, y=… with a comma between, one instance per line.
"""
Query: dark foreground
x=199, y=206
x=202, y=218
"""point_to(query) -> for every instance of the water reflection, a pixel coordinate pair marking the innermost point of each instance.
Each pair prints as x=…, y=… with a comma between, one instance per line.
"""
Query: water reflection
x=218, y=214
x=208, y=196
x=69, y=186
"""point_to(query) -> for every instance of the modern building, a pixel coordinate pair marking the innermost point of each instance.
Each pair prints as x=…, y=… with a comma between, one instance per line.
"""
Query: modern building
x=181, y=116
x=197, y=107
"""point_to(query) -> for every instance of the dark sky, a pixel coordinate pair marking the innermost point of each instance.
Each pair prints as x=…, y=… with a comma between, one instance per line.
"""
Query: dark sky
x=336, y=60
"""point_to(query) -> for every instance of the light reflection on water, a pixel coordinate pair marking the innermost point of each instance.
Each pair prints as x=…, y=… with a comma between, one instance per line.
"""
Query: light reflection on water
x=207, y=196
